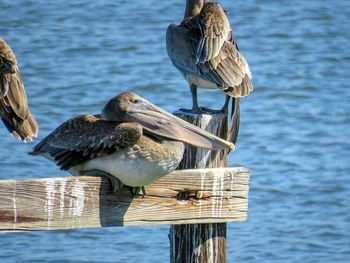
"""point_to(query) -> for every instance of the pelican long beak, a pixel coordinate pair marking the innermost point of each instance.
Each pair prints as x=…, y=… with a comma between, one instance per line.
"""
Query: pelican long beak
x=163, y=123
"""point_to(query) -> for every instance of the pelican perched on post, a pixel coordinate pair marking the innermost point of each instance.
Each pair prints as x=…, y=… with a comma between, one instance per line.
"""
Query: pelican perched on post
x=132, y=142
x=202, y=48
x=14, y=110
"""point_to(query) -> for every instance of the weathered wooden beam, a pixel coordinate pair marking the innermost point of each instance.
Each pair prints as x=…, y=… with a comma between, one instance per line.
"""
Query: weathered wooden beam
x=212, y=195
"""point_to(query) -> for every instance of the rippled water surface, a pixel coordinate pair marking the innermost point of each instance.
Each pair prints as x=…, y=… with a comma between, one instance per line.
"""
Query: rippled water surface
x=295, y=127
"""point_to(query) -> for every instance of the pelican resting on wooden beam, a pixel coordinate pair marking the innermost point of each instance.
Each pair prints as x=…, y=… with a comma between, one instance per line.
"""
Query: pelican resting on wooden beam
x=132, y=142
x=14, y=109
x=202, y=48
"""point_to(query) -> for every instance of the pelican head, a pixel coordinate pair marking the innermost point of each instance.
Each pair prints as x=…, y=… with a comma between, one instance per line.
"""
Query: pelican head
x=117, y=108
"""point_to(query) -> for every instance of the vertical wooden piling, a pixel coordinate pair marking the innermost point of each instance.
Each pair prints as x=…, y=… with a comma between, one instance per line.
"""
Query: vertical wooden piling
x=201, y=243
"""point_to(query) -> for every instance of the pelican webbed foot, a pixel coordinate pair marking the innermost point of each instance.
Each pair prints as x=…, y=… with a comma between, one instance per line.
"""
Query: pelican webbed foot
x=115, y=182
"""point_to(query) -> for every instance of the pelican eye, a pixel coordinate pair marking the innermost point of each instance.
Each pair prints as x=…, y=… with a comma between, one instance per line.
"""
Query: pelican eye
x=135, y=101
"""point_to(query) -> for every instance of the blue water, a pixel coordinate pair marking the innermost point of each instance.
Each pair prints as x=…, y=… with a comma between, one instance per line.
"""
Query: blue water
x=295, y=126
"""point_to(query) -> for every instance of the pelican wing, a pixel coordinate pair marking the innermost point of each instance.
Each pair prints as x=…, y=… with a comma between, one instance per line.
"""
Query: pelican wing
x=215, y=30
x=220, y=60
x=14, y=109
x=85, y=137
x=14, y=95
x=229, y=70
x=174, y=128
x=182, y=43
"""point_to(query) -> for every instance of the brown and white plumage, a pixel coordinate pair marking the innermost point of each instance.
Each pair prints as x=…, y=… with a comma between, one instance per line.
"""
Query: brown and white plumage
x=85, y=137
x=14, y=109
x=202, y=48
x=131, y=140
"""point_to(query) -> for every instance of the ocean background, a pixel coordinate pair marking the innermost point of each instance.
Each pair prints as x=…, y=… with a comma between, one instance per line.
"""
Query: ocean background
x=295, y=127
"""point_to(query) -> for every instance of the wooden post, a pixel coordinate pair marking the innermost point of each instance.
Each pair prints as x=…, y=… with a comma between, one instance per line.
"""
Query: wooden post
x=201, y=243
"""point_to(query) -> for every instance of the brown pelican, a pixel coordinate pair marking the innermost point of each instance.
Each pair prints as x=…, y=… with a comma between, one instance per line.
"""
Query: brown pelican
x=131, y=141
x=14, y=110
x=202, y=48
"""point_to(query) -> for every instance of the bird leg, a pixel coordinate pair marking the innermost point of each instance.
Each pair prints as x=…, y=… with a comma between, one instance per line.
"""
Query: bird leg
x=115, y=182
x=138, y=190
x=195, y=107
x=224, y=109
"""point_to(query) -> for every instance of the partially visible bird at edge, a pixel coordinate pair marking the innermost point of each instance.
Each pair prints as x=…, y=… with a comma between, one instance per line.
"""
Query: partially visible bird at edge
x=14, y=109
x=203, y=49
x=132, y=142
